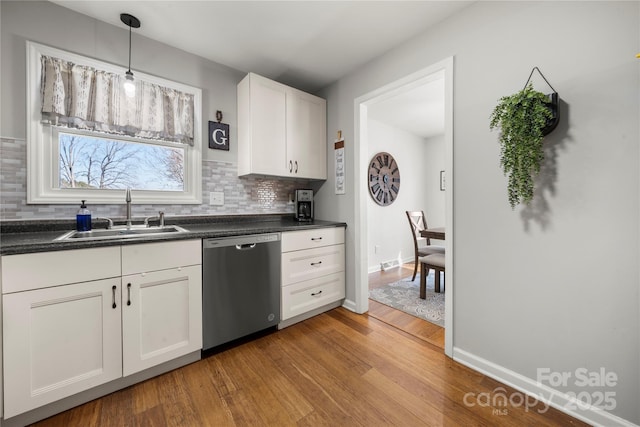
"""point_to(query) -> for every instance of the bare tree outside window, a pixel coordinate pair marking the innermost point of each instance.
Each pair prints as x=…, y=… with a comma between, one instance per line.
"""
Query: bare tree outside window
x=97, y=163
x=168, y=162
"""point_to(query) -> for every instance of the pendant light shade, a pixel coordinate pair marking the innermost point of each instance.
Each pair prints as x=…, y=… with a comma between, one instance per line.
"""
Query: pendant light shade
x=129, y=83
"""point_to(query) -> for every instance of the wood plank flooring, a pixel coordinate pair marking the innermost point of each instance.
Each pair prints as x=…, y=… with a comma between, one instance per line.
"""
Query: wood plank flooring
x=417, y=327
x=335, y=369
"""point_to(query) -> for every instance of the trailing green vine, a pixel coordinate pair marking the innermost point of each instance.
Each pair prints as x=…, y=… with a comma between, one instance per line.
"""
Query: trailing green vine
x=521, y=118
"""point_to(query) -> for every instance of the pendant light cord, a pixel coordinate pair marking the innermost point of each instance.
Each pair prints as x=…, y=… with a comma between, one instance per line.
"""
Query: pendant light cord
x=131, y=22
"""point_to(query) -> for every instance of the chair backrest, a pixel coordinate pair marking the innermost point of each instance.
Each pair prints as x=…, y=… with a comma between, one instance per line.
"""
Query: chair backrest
x=418, y=222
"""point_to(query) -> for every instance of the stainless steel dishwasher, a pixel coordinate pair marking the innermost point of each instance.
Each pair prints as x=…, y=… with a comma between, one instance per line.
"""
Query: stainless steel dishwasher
x=240, y=287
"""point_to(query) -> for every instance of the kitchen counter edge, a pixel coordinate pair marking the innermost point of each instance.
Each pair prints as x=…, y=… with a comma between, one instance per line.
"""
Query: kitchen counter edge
x=44, y=241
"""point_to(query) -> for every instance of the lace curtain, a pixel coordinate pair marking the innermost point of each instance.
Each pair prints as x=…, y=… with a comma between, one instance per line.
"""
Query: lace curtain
x=86, y=98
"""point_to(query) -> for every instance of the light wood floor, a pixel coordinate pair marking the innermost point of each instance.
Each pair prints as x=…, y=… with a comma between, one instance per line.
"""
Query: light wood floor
x=335, y=369
x=427, y=331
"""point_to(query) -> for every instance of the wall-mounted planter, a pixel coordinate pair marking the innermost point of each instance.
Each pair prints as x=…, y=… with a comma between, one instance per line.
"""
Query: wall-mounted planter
x=524, y=119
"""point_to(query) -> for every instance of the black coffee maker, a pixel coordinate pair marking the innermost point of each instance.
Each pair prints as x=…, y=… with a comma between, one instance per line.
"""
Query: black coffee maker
x=303, y=203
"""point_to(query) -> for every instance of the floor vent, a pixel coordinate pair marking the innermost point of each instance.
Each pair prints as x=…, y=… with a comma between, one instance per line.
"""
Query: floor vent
x=384, y=266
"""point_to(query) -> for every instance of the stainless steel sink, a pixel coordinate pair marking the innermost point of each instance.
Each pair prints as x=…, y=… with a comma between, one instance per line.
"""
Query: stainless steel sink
x=121, y=232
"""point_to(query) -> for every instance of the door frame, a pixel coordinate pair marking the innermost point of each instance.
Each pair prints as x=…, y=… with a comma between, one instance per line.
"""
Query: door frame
x=361, y=105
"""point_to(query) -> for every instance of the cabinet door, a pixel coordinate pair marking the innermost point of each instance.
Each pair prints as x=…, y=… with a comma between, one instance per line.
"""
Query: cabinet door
x=161, y=316
x=261, y=127
x=59, y=341
x=306, y=135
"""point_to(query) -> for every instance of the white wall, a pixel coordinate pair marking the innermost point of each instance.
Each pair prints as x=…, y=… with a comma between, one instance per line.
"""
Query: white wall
x=432, y=164
x=388, y=225
x=555, y=285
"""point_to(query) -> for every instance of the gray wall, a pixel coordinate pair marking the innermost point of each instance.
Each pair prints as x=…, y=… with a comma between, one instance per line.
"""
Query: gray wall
x=52, y=25
x=554, y=285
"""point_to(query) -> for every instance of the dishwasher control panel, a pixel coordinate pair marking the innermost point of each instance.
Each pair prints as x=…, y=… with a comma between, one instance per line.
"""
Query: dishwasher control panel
x=220, y=242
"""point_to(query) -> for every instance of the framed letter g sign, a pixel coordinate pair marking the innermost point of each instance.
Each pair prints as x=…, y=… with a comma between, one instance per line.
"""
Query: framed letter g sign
x=219, y=136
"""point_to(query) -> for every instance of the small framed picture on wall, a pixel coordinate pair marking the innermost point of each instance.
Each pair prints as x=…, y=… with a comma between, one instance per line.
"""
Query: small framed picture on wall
x=218, y=136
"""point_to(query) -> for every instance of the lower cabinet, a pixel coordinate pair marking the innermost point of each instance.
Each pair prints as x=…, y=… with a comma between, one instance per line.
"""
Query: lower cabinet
x=161, y=317
x=313, y=271
x=59, y=340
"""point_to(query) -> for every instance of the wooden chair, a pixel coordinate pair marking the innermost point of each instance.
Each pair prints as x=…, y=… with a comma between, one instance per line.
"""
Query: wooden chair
x=435, y=261
x=418, y=222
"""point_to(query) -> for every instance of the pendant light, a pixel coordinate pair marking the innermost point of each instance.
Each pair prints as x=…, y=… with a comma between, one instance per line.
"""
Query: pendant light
x=129, y=85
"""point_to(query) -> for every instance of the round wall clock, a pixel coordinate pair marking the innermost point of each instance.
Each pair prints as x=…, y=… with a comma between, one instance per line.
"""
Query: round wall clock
x=384, y=179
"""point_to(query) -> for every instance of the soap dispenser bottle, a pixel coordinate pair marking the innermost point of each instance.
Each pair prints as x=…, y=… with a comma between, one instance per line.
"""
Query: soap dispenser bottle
x=83, y=218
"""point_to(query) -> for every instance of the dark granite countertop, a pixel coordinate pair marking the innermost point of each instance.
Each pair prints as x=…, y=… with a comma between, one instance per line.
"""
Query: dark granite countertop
x=19, y=237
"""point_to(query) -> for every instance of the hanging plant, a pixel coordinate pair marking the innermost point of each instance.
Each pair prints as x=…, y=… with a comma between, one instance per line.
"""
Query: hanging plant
x=523, y=118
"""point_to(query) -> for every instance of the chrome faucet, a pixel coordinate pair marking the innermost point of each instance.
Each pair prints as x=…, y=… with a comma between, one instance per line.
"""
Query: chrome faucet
x=128, y=200
x=109, y=222
x=159, y=217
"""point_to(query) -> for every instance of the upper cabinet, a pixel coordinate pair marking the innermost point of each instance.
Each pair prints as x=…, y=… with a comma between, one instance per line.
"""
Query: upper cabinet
x=281, y=130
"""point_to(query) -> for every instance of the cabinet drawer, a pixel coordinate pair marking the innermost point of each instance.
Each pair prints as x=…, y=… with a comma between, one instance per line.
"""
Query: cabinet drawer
x=310, y=294
x=26, y=272
x=311, y=263
x=160, y=256
x=306, y=239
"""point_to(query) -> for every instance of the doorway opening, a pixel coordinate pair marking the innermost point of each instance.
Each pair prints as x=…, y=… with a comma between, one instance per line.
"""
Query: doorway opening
x=366, y=109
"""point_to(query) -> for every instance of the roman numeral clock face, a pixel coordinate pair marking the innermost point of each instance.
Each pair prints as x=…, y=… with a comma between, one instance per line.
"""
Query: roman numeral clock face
x=384, y=179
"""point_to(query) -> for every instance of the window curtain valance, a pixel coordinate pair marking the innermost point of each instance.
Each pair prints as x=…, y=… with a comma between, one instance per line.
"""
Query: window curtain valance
x=83, y=97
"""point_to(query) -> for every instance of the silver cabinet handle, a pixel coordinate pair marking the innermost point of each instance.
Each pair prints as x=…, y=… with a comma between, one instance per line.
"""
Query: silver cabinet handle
x=290, y=165
x=316, y=263
x=316, y=238
x=316, y=293
x=128, y=293
x=296, y=166
x=113, y=291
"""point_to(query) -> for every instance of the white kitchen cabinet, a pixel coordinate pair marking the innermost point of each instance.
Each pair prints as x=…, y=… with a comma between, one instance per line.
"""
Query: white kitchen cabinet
x=281, y=130
x=60, y=339
x=313, y=270
x=161, y=302
x=306, y=135
x=161, y=316
x=61, y=331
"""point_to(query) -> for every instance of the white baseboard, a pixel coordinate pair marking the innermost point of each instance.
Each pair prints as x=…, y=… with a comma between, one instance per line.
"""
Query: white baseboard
x=350, y=305
x=545, y=394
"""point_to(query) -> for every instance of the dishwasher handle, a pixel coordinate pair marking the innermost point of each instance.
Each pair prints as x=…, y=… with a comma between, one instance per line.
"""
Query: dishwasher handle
x=246, y=246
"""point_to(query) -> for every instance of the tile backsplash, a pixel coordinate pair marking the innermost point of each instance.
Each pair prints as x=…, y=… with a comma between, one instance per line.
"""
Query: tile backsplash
x=242, y=195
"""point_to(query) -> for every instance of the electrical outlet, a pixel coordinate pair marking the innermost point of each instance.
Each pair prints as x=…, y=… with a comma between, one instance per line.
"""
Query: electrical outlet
x=216, y=198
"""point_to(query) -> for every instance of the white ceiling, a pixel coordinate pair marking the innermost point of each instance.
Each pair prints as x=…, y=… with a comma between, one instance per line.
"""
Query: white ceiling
x=418, y=110
x=305, y=44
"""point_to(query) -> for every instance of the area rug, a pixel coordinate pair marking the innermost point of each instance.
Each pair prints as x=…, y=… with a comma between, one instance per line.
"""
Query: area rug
x=405, y=296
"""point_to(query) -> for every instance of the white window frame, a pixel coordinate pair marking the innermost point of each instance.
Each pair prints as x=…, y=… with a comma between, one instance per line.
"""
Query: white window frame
x=43, y=145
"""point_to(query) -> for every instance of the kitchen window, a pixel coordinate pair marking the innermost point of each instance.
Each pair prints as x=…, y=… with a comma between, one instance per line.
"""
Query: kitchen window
x=87, y=140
